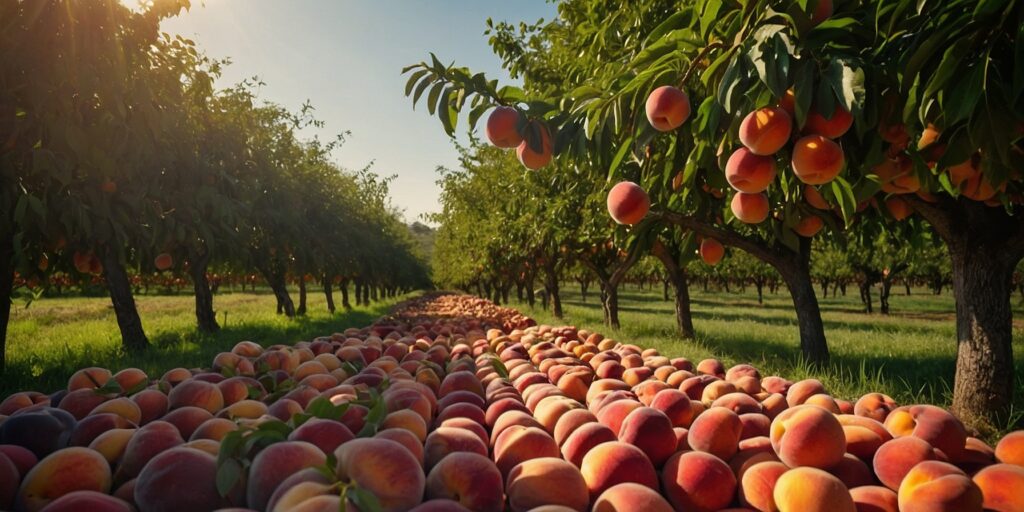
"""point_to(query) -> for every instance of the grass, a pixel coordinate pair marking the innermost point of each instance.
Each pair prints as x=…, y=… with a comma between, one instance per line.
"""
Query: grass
x=54, y=337
x=910, y=354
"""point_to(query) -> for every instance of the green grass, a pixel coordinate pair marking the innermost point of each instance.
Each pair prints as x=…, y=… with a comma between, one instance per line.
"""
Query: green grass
x=54, y=337
x=909, y=354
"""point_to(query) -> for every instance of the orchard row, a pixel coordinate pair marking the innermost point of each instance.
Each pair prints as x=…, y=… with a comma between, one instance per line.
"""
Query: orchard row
x=455, y=404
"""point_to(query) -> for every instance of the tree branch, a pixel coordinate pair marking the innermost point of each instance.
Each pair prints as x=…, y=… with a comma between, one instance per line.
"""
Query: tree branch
x=757, y=248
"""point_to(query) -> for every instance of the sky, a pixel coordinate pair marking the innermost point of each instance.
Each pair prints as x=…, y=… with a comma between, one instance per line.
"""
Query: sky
x=346, y=57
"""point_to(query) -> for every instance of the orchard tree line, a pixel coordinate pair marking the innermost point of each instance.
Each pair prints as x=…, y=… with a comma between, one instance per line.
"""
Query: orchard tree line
x=119, y=158
x=764, y=126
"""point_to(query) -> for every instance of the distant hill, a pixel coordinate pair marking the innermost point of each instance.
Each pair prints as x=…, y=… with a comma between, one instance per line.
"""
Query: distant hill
x=424, y=237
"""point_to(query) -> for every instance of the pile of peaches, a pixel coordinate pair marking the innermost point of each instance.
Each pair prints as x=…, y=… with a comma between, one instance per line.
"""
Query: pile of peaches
x=435, y=409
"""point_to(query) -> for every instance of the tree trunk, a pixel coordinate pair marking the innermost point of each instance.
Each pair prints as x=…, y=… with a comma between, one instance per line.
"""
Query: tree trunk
x=760, y=291
x=531, y=298
x=865, y=296
x=676, y=275
x=808, y=315
x=584, y=285
x=883, y=296
x=301, y=311
x=842, y=289
x=343, y=285
x=6, y=290
x=519, y=291
x=505, y=289
x=551, y=287
x=366, y=294
x=359, y=294
x=133, y=337
x=906, y=284
x=610, y=305
x=328, y=293
x=278, y=286
x=664, y=289
x=824, y=287
x=206, y=317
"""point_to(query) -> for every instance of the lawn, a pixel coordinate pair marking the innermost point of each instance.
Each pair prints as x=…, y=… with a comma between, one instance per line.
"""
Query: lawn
x=51, y=338
x=909, y=354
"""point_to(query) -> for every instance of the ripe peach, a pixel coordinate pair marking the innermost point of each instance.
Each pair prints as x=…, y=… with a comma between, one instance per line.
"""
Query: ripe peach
x=609, y=464
x=22, y=458
x=163, y=261
x=179, y=468
x=60, y=473
x=1000, y=486
x=326, y=435
x=469, y=478
x=864, y=436
x=806, y=489
x=630, y=496
x=152, y=404
x=1010, y=449
x=551, y=409
x=874, y=498
x=833, y=127
x=853, y=472
x=765, y=130
x=750, y=208
x=546, y=481
x=10, y=477
x=385, y=468
x=814, y=198
x=500, y=406
x=667, y=108
x=628, y=203
x=817, y=160
x=511, y=419
x=131, y=379
x=698, y=481
x=874, y=405
x=711, y=251
x=676, y=405
x=749, y=172
x=112, y=443
x=187, y=419
x=274, y=464
x=896, y=175
x=584, y=439
x=570, y=422
x=446, y=440
x=933, y=424
x=147, y=442
x=443, y=505
x=716, y=431
x=91, y=501
x=934, y=485
x=809, y=226
x=758, y=483
x=535, y=158
x=894, y=459
x=517, y=444
x=650, y=430
x=196, y=393
x=808, y=435
x=123, y=407
x=800, y=391
x=501, y=128
x=898, y=208
x=81, y=402
x=413, y=422
x=89, y=378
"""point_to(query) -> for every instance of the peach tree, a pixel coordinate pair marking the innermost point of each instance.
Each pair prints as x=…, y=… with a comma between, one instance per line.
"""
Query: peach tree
x=804, y=111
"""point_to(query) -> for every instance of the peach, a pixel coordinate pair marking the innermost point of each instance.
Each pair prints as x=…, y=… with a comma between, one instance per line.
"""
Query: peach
x=1001, y=486
x=292, y=495
x=898, y=208
x=179, y=469
x=808, y=435
x=716, y=431
x=147, y=442
x=711, y=251
x=22, y=457
x=550, y=410
x=976, y=455
x=749, y=172
x=196, y=393
x=1010, y=449
x=750, y=208
x=875, y=406
x=630, y=496
x=499, y=407
x=322, y=503
x=583, y=439
x=406, y=439
x=112, y=443
x=637, y=375
x=853, y=472
x=10, y=477
x=628, y=203
x=250, y=409
x=62, y=472
x=864, y=436
x=384, y=468
x=933, y=485
x=187, y=419
x=894, y=459
x=123, y=407
x=546, y=481
x=676, y=405
x=14, y=403
x=510, y=419
x=443, y=505
x=896, y=175
x=91, y=501
x=569, y=422
x=131, y=379
x=92, y=426
x=766, y=130
x=650, y=430
x=89, y=378
x=737, y=402
x=800, y=391
x=81, y=401
x=517, y=444
x=501, y=128
x=808, y=226
x=446, y=440
x=325, y=434
x=646, y=390
x=535, y=156
x=613, y=414
x=817, y=160
x=807, y=489
x=274, y=464
x=755, y=425
x=413, y=422
x=612, y=463
x=933, y=424
x=667, y=108
x=461, y=381
x=758, y=483
x=698, y=481
x=152, y=404
x=874, y=498
x=832, y=127
x=468, y=478
x=712, y=367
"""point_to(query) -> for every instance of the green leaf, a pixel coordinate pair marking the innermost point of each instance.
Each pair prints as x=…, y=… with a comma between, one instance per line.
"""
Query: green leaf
x=709, y=16
x=228, y=475
x=432, y=96
x=413, y=78
x=499, y=367
x=962, y=97
x=364, y=499
x=624, y=150
x=680, y=19
x=847, y=80
x=449, y=116
x=952, y=58
x=419, y=90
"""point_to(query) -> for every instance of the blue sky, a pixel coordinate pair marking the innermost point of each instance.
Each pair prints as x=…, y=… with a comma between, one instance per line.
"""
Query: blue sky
x=345, y=56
